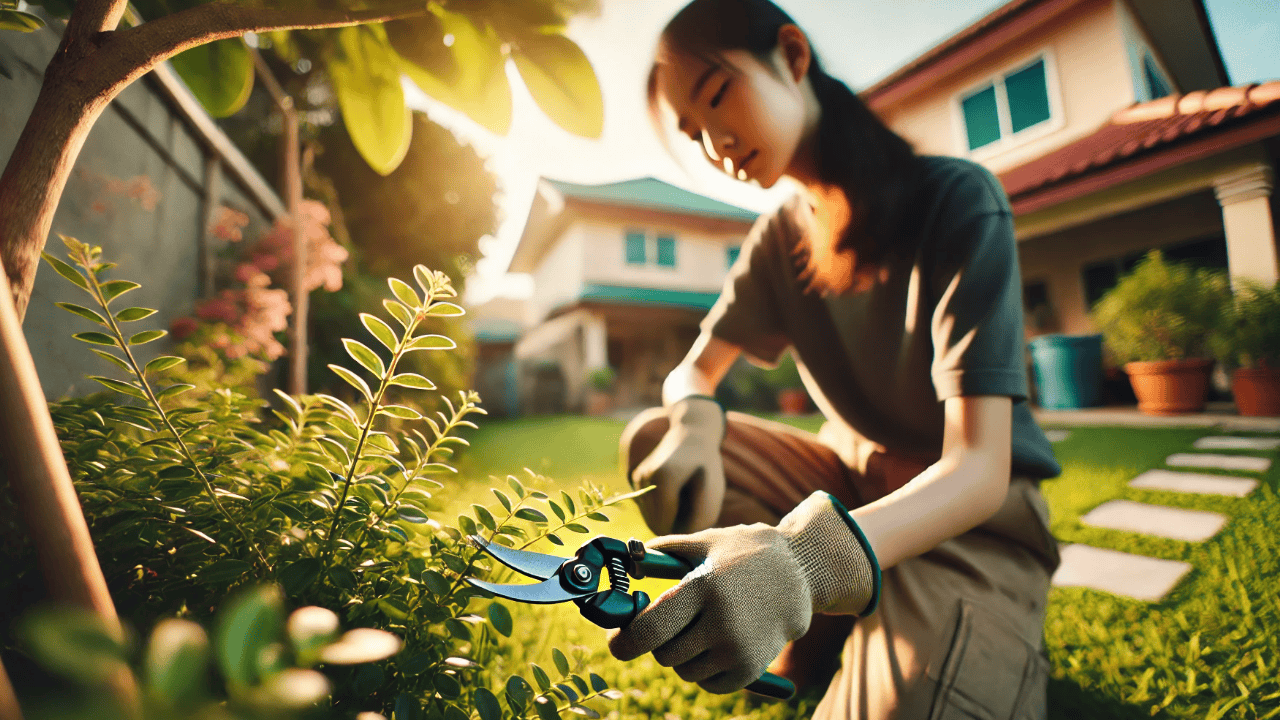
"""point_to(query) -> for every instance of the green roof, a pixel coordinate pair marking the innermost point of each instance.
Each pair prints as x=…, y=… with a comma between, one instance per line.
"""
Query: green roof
x=653, y=193
x=649, y=296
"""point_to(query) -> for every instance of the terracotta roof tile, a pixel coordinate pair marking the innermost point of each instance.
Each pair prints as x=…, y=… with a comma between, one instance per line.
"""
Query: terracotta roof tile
x=1143, y=128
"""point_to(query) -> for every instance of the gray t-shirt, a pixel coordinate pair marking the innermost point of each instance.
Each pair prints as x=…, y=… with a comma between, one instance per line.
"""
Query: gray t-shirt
x=946, y=321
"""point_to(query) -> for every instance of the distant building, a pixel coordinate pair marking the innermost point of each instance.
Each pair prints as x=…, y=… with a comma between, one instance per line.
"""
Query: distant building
x=623, y=273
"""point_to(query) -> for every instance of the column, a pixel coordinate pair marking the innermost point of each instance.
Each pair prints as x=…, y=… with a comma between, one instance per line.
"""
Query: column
x=1245, y=197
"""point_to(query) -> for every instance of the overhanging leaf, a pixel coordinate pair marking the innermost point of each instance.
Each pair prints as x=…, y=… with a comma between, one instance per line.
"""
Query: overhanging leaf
x=561, y=80
x=147, y=336
x=431, y=342
x=354, y=380
x=134, y=313
x=367, y=80
x=116, y=288
x=83, y=312
x=405, y=293
x=18, y=20
x=96, y=338
x=379, y=330
x=66, y=271
x=164, y=362
x=219, y=74
x=367, y=358
x=412, y=380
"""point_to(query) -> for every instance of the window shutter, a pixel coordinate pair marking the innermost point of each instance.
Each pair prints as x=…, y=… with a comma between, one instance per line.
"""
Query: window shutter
x=635, y=248
x=667, y=251
x=1028, y=97
x=981, y=118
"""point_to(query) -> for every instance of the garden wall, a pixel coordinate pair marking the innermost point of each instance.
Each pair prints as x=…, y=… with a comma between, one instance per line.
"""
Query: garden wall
x=147, y=187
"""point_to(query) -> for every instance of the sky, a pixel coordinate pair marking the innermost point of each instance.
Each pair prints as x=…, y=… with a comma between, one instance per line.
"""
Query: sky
x=860, y=41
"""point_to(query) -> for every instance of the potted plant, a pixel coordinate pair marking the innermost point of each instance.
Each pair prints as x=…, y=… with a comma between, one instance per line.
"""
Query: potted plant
x=1159, y=321
x=1248, y=343
x=600, y=384
x=793, y=399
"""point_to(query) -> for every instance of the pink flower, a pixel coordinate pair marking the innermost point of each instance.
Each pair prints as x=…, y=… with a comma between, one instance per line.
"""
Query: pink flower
x=182, y=328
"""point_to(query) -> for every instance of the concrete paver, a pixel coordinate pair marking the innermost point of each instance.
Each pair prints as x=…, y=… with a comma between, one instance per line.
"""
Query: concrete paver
x=1120, y=573
x=1056, y=435
x=1188, y=482
x=1227, y=442
x=1166, y=522
x=1221, y=462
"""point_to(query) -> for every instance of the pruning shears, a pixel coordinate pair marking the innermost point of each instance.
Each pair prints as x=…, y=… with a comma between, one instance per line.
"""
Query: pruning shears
x=578, y=579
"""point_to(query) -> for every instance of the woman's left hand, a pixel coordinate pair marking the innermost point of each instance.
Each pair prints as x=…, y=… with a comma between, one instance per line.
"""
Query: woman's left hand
x=756, y=589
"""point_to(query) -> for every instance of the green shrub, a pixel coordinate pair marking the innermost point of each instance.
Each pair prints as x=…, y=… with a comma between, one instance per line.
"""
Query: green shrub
x=603, y=378
x=1162, y=311
x=186, y=501
x=1249, y=332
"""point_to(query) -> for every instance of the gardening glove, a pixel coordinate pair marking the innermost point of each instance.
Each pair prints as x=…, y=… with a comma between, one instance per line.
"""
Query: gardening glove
x=685, y=469
x=756, y=589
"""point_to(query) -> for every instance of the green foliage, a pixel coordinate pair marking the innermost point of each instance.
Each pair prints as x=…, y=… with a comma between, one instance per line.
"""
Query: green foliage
x=219, y=74
x=319, y=495
x=265, y=661
x=1162, y=311
x=1249, y=332
x=603, y=378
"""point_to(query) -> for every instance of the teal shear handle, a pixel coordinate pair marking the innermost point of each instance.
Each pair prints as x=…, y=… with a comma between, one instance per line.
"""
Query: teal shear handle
x=661, y=565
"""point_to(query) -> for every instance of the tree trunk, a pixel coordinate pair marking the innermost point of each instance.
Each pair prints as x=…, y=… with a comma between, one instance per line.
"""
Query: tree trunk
x=38, y=170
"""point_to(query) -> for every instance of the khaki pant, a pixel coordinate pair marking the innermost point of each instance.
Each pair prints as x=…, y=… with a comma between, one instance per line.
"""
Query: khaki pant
x=958, y=632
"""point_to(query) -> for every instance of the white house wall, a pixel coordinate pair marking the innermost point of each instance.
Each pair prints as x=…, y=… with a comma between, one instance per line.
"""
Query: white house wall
x=701, y=259
x=559, y=277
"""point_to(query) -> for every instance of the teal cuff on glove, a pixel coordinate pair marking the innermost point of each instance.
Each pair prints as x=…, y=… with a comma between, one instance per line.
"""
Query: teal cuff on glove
x=866, y=546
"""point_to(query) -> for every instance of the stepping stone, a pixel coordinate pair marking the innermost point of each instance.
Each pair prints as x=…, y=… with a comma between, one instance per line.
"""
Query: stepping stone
x=1222, y=462
x=1226, y=442
x=1135, y=576
x=1194, y=483
x=1166, y=522
x=1056, y=435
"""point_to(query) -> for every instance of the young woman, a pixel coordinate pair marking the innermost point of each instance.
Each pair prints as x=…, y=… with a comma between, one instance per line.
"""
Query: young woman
x=910, y=530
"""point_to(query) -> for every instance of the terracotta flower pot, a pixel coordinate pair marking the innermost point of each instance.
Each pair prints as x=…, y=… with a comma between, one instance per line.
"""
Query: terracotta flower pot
x=793, y=401
x=598, y=402
x=1170, y=387
x=1257, y=391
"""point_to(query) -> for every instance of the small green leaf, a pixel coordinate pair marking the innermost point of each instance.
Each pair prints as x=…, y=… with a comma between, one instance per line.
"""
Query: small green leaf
x=120, y=387
x=581, y=684
x=300, y=575
x=412, y=380
x=177, y=660
x=447, y=686
x=225, y=571
x=66, y=271
x=487, y=704
x=20, y=21
x=251, y=621
x=364, y=355
x=162, y=363
x=555, y=539
x=95, y=338
x=147, y=336
x=83, y=312
x=540, y=676
x=354, y=380
x=118, y=362
x=500, y=617
x=546, y=708
x=502, y=498
x=399, y=312
x=445, y=309
x=366, y=78
x=556, y=509
x=597, y=683
x=575, y=527
x=400, y=412
x=517, y=691
x=435, y=582
x=485, y=517
x=379, y=330
x=531, y=515
x=405, y=293
x=559, y=77
x=431, y=342
x=568, y=691
x=562, y=662
x=600, y=517
x=411, y=514
x=174, y=391
x=516, y=486
x=568, y=502
x=219, y=74
x=134, y=313
x=115, y=288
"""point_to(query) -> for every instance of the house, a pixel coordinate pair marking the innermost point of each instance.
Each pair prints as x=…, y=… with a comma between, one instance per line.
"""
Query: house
x=1112, y=128
x=622, y=273
x=1110, y=123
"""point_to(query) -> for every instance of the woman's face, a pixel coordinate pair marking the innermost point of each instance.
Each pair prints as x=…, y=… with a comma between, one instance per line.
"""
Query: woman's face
x=748, y=116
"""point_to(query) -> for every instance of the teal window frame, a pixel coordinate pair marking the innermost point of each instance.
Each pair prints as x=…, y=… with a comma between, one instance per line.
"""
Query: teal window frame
x=635, y=248
x=666, y=255
x=991, y=116
x=732, y=253
x=1158, y=85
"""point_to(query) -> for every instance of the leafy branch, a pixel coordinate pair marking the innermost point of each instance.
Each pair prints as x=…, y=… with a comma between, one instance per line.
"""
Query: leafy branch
x=104, y=293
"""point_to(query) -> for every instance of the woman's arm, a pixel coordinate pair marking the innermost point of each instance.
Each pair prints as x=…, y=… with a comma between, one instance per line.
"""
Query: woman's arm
x=701, y=370
x=960, y=491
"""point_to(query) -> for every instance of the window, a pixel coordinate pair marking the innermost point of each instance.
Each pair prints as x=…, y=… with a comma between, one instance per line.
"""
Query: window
x=666, y=251
x=732, y=253
x=1008, y=105
x=635, y=247
x=1157, y=86
x=645, y=249
x=1101, y=276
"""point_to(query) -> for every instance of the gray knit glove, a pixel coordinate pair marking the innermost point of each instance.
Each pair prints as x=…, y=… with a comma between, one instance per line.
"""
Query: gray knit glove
x=756, y=589
x=685, y=469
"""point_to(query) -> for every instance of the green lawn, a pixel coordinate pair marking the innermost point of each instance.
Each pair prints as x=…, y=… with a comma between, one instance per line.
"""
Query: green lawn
x=1209, y=650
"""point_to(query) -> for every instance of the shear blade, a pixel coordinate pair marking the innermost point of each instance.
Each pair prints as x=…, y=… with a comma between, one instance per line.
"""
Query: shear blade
x=544, y=593
x=535, y=565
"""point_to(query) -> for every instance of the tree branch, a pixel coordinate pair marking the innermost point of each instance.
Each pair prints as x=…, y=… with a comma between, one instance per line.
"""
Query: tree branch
x=133, y=52
x=91, y=17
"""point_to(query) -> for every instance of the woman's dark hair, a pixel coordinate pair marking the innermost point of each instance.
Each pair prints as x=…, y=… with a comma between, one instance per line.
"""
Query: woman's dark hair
x=856, y=150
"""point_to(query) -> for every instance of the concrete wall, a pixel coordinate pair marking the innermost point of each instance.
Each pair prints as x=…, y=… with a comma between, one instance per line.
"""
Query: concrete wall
x=558, y=278
x=139, y=190
x=1089, y=78
x=701, y=260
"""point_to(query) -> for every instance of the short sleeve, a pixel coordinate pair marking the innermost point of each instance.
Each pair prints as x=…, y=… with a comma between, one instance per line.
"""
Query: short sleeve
x=747, y=312
x=976, y=326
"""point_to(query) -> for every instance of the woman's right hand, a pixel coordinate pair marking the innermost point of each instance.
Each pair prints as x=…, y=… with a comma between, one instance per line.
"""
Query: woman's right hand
x=685, y=470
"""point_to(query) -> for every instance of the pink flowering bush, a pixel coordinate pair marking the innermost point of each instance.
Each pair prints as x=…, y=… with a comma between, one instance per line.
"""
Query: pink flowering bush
x=242, y=321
